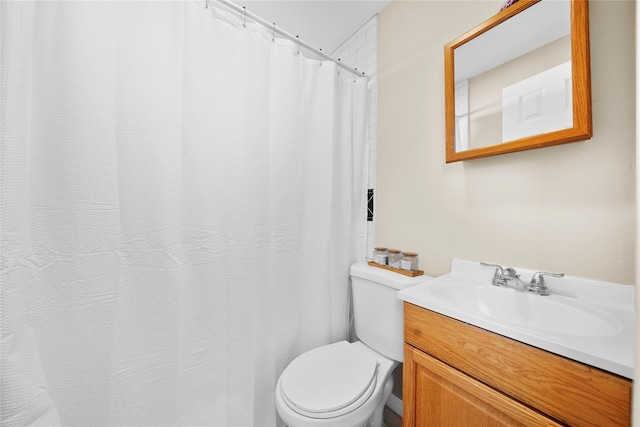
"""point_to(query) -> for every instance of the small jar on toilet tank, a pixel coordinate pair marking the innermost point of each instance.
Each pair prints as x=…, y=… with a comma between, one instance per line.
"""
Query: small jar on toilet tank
x=409, y=261
x=395, y=257
x=380, y=256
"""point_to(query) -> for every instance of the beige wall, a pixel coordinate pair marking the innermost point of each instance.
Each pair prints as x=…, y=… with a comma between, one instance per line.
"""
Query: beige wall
x=568, y=208
x=635, y=411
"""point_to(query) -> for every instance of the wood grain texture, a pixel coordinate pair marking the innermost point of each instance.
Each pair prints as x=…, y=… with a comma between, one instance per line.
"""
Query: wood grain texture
x=581, y=87
x=410, y=273
x=451, y=398
x=566, y=390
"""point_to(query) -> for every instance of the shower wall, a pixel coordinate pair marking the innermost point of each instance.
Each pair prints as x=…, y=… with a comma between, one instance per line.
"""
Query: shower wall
x=361, y=51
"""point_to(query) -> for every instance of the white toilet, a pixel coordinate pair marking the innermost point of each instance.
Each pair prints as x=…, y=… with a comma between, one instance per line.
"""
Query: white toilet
x=347, y=384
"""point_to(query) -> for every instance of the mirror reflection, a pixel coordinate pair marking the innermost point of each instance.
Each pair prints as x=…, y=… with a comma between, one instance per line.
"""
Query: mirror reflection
x=515, y=80
x=513, y=77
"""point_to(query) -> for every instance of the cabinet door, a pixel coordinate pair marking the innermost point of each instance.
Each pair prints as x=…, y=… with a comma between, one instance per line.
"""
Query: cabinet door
x=435, y=394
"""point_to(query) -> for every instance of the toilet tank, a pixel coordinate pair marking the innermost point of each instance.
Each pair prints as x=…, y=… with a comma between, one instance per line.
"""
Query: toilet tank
x=377, y=311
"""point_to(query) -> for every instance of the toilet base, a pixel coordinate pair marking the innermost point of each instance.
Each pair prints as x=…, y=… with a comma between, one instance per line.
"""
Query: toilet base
x=376, y=417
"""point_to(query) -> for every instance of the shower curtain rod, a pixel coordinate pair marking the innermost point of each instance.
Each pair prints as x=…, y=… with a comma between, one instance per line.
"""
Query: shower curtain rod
x=272, y=26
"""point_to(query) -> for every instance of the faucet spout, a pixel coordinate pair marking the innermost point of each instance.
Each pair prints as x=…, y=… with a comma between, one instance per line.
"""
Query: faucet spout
x=506, y=277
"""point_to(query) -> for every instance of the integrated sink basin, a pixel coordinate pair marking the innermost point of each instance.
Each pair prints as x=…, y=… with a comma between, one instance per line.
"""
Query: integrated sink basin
x=585, y=320
x=555, y=314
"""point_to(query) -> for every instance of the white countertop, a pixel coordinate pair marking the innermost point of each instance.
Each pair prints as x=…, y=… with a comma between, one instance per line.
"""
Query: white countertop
x=585, y=320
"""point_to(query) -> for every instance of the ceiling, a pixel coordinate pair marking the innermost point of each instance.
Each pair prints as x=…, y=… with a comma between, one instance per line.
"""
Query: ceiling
x=324, y=24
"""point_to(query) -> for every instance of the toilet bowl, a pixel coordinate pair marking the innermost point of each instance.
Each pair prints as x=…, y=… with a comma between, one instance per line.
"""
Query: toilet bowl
x=347, y=384
x=340, y=384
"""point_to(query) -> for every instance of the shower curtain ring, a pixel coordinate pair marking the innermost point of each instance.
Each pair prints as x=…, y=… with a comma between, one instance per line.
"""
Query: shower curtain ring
x=273, y=34
x=244, y=19
x=298, y=41
x=355, y=75
x=321, y=57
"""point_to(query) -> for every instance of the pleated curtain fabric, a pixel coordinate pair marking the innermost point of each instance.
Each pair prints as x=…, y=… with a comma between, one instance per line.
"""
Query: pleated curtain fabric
x=182, y=198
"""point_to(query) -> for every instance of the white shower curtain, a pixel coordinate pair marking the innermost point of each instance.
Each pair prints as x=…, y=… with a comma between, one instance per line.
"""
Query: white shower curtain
x=181, y=201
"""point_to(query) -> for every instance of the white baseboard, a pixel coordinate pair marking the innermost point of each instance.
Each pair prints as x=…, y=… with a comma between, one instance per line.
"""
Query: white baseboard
x=395, y=404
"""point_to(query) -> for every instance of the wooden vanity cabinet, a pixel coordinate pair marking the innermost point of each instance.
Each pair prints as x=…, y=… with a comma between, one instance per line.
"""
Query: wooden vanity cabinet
x=456, y=374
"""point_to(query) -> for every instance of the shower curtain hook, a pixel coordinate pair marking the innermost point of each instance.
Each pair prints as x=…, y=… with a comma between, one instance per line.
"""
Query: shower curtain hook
x=244, y=19
x=273, y=34
x=321, y=57
x=339, y=65
x=298, y=41
x=355, y=75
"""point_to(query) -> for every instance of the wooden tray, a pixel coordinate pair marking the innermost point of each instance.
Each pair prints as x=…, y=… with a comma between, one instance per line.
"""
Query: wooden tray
x=397, y=270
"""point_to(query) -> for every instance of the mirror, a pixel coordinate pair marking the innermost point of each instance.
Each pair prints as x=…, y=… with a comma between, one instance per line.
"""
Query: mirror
x=518, y=81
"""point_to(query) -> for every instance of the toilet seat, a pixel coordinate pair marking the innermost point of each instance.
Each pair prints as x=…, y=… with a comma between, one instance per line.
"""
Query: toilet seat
x=329, y=381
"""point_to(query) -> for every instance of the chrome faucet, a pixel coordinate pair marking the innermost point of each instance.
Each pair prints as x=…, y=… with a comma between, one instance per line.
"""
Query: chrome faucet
x=508, y=277
x=505, y=277
x=539, y=287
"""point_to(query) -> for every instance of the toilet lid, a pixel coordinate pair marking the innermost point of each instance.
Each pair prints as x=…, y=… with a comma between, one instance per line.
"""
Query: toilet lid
x=329, y=378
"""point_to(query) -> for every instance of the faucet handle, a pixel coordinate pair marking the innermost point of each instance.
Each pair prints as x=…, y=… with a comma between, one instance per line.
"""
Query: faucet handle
x=502, y=274
x=539, y=286
x=541, y=275
x=499, y=269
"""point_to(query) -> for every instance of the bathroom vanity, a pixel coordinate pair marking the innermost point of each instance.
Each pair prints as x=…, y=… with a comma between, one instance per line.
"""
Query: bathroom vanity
x=466, y=368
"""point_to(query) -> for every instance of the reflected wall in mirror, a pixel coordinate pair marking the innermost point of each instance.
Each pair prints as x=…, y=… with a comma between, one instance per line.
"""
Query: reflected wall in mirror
x=519, y=80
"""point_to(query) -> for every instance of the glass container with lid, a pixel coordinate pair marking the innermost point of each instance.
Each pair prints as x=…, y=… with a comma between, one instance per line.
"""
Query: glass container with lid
x=380, y=256
x=395, y=257
x=409, y=261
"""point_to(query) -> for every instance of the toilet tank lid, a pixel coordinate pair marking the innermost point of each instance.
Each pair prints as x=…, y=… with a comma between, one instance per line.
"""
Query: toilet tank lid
x=362, y=270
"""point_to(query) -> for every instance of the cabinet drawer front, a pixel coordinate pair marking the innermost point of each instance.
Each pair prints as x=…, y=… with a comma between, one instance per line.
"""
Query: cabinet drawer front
x=569, y=391
x=450, y=398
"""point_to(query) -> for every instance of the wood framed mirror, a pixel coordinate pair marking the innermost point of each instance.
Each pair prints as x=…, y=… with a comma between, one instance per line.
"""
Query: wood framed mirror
x=518, y=81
